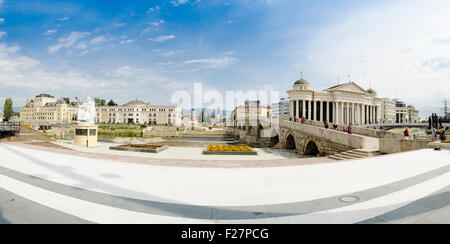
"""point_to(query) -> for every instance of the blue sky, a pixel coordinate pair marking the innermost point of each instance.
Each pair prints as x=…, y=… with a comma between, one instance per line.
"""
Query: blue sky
x=150, y=49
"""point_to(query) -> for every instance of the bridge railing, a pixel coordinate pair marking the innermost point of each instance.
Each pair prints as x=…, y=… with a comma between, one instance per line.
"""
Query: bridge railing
x=10, y=126
x=352, y=140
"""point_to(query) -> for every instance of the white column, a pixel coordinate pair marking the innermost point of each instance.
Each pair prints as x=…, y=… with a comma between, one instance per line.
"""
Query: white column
x=297, y=108
x=303, y=110
x=342, y=112
x=309, y=109
x=348, y=113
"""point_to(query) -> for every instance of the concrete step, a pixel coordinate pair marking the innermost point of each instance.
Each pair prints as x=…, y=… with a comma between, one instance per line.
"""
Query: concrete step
x=336, y=157
x=353, y=155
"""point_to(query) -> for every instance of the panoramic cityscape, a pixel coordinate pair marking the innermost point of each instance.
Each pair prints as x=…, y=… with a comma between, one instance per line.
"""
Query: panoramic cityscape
x=224, y=112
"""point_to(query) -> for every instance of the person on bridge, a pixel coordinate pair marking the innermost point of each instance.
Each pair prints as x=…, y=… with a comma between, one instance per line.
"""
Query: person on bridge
x=325, y=124
x=406, y=133
x=302, y=120
x=335, y=126
x=350, y=129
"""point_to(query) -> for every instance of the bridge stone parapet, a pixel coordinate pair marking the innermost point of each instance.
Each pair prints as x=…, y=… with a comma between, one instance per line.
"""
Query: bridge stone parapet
x=303, y=138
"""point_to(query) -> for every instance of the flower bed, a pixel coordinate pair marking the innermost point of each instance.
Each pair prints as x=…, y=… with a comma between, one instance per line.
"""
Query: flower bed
x=147, y=148
x=228, y=150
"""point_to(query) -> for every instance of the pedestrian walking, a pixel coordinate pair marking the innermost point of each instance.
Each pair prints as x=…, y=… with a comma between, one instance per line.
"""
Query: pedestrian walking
x=350, y=129
x=325, y=123
x=302, y=120
x=406, y=133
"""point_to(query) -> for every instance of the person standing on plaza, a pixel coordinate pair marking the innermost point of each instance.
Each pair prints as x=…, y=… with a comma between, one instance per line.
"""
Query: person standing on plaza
x=442, y=135
x=433, y=134
x=406, y=133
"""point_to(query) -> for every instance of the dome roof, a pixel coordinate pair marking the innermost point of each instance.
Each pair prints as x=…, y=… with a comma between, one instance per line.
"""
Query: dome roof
x=371, y=91
x=301, y=82
x=135, y=103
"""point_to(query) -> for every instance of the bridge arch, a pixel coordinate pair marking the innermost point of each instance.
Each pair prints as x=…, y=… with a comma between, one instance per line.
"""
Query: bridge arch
x=290, y=142
x=311, y=149
x=259, y=131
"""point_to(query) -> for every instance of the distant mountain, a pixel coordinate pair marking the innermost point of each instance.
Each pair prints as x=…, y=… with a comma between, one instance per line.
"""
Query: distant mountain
x=198, y=111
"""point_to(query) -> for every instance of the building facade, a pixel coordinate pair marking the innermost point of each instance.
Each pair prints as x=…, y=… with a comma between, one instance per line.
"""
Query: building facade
x=405, y=114
x=281, y=108
x=250, y=113
x=45, y=108
x=138, y=112
x=341, y=104
x=388, y=111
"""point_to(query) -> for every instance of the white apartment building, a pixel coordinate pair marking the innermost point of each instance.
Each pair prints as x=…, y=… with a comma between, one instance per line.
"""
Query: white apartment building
x=387, y=111
x=138, y=112
x=280, y=109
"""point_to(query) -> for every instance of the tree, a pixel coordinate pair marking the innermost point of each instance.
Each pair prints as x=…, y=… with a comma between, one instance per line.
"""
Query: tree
x=112, y=103
x=66, y=99
x=7, y=109
x=102, y=102
x=97, y=100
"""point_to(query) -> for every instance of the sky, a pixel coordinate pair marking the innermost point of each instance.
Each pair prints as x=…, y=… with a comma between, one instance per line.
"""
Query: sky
x=147, y=50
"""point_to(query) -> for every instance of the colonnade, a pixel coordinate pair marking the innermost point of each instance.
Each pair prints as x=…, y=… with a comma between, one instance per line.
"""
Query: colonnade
x=336, y=112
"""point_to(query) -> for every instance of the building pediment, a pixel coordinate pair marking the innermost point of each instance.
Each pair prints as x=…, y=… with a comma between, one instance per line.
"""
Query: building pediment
x=348, y=87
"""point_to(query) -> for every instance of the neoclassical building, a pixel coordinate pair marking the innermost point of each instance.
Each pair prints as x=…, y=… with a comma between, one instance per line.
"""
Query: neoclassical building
x=342, y=104
x=45, y=108
x=139, y=112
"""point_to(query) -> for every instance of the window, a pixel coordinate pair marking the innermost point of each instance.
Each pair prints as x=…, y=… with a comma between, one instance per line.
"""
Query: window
x=81, y=132
x=92, y=132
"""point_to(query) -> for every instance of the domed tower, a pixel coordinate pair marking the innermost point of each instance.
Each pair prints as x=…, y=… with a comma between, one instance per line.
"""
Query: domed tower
x=372, y=92
x=301, y=84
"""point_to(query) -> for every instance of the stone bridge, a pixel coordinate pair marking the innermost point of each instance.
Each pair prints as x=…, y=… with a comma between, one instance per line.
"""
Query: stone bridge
x=313, y=140
x=391, y=126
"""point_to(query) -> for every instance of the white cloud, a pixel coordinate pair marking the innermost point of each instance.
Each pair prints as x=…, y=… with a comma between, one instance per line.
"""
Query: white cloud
x=126, y=41
x=158, y=23
x=49, y=32
x=162, y=38
x=98, y=39
x=64, y=19
x=2, y=20
x=212, y=63
x=398, y=47
x=177, y=3
x=119, y=25
x=2, y=34
x=27, y=73
x=152, y=10
x=68, y=42
x=124, y=70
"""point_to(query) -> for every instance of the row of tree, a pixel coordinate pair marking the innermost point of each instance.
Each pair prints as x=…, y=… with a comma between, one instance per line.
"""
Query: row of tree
x=102, y=102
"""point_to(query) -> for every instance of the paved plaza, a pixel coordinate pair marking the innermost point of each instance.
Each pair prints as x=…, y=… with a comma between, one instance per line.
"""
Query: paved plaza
x=55, y=186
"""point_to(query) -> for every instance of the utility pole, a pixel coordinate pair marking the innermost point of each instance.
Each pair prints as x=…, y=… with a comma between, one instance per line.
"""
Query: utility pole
x=446, y=109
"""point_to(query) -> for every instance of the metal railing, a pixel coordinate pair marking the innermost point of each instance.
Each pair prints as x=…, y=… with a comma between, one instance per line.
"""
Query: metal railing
x=10, y=126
